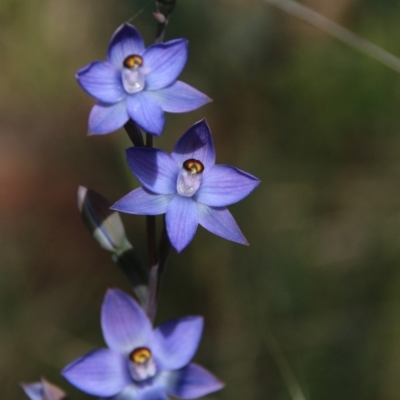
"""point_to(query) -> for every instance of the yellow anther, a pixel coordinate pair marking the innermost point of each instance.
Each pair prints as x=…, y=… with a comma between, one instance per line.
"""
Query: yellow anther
x=140, y=355
x=193, y=166
x=133, y=61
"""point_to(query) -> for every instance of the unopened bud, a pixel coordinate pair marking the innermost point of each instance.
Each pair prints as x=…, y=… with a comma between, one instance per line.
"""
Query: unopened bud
x=104, y=224
x=160, y=18
x=165, y=7
x=107, y=228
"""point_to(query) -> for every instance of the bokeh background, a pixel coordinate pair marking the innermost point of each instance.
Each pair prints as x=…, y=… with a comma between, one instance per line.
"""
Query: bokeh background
x=314, y=302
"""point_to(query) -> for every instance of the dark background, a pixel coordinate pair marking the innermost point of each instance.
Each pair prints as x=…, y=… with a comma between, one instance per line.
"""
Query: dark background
x=316, y=296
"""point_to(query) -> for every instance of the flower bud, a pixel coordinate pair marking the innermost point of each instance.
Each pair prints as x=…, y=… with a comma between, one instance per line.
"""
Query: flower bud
x=104, y=224
x=165, y=7
x=107, y=228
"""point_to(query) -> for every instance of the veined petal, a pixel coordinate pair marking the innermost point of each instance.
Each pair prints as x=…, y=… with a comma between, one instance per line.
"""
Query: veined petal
x=220, y=222
x=126, y=41
x=129, y=393
x=143, y=202
x=196, y=143
x=164, y=61
x=101, y=80
x=151, y=394
x=33, y=390
x=146, y=112
x=181, y=221
x=156, y=170
x=106, y=118
x=223, y=185
x=101, y=373
x=175, y=342
x=125, y=325
x=133, y=392
x=179, y=97
x=192, y=382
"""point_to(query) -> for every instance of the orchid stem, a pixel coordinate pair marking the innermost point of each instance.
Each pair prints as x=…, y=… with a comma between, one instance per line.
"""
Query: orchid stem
x=156, y=273
x=134, y=133
x=151, y=307
x=163, y=253
x=161, y=27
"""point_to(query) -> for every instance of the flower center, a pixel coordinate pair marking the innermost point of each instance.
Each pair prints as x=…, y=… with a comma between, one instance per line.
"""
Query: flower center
x=189, y=177
x=132, y=74
x=141, y=364
x=133, y=61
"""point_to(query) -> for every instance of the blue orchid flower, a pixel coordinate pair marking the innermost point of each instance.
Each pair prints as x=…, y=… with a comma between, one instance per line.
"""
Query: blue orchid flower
x=43, y=390
x=138, y=83
x=141, y=363
x=188, y=187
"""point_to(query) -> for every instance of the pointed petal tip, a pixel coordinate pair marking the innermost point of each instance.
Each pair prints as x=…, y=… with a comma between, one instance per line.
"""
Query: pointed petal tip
x=82, y=192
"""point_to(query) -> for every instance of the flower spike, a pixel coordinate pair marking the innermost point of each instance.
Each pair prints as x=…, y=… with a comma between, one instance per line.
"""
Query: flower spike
x=138, y=83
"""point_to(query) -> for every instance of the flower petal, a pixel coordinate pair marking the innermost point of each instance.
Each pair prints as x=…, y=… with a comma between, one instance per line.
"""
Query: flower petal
x=181, y=220
x=175, y=342
x=196, y=143
x=156, y=170
x=129, y=393
x=146, y=112
x=125, y=325
x=192, y=382
x=133, y=392
x=164, y=61
x=223, y=185
x=143, y=202
x=126, y=41
x=101, y=80
x=220, y=222
x=33, y=390
x=179, y=97
x=151, y=394
x=106, y=118
x=52, y=392
x=101, y=373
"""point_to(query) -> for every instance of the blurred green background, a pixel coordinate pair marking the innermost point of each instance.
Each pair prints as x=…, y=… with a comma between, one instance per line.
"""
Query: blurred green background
x=316, y=296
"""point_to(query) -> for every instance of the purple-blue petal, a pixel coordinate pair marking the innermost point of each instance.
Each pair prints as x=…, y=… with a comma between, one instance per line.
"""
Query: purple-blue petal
x=125, y=325
x=220, y=222
x=193, y=382
x=101, y=80
x=196, y=143
x=129, y=393
x=223, y=185
x=175, y=342
x=143, y=202
x=151, y=394
x=106, y=118
x=181, y=221
x=156, y=170
x=33, y=390
x=126, y=41
x=179, y=97
x=146, y=112
x=164, y=61
x=101, y=373
x=150, y=391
